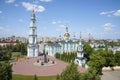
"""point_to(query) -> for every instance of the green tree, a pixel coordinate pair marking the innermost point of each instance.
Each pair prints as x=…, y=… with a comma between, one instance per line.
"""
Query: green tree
x=35, y=77
x=109, y=58
x=49, y=42
x=5, y=55
x=70, y=73
x=96, y=62
x=87, y=49
x=89, y=76
x=117, y=58
x=5, y=71
x=58, y=77
x=67, y=57
x=23, y=48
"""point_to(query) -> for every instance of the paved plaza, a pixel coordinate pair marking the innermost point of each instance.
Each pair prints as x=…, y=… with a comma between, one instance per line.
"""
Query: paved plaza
x=111, y=75
x=27, y=67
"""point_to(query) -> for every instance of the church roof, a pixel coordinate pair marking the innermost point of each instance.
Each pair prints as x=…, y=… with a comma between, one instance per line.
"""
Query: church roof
x=66, y=42
x=57, y=44
x=53, y=44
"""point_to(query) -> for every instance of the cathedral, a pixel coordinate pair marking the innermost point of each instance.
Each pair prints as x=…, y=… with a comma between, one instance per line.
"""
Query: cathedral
x=67, y=45
x=64, y=44
x=33, y=47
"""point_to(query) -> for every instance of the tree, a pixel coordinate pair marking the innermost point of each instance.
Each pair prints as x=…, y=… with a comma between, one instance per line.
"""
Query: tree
x=89, y=76
x=5, y=55
x=117, y=58
x=5, y=71
x=87, y=49
x=96, y=62
x=35, y=77
x=58, y=77
x=109, y=58
x=23, y=48
x=49, y=42
x=67, y=57
x=70, y=73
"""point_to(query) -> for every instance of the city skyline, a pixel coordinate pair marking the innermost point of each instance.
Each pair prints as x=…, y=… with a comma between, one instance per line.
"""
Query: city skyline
x=99, y=18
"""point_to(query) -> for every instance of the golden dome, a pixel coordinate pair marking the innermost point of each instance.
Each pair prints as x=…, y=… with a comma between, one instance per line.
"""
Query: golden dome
x=67, y=35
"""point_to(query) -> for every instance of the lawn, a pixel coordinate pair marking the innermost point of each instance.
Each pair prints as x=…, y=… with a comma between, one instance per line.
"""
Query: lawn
x=15, y=54
x=22, y=77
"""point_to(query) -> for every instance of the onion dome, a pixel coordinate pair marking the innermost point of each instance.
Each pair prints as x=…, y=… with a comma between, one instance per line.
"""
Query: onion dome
x=66, y=34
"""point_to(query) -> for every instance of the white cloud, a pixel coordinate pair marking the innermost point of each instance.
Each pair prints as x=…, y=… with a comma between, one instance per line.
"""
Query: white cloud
x=111, y=13
x=56, y=22
x=29, y=7
x=0, y=12
x=10, y=1
x=107, y=12
x=16, y=5
x=107, y=26
x=45, y=0
x=117, y=13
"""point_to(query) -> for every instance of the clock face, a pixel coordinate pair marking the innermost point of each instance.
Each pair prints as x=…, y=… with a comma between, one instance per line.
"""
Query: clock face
x=80, y=49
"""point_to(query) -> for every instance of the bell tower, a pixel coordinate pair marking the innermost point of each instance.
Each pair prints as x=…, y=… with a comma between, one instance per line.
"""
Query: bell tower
x=80, y=59
x=33, y=48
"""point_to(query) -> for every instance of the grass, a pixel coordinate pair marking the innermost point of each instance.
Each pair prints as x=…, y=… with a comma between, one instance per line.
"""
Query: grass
x=15, y=54
x=22, y=77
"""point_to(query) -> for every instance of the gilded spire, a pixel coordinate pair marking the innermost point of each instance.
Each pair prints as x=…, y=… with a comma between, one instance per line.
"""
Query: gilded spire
x=74, y=35
x=33, y=13
x=89, y=37
x=59, y=37
x=80, y=36
x=66, y=29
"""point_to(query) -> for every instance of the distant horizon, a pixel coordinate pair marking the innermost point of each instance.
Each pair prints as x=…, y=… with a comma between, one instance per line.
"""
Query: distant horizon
x=99, y=18
x=84, y=38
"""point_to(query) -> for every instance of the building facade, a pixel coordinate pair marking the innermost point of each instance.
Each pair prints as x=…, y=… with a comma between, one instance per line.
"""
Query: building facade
x=33, y=47
x=64, y=44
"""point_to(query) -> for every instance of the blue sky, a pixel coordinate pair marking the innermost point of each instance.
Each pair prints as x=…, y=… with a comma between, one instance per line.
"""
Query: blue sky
x=100, y=18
